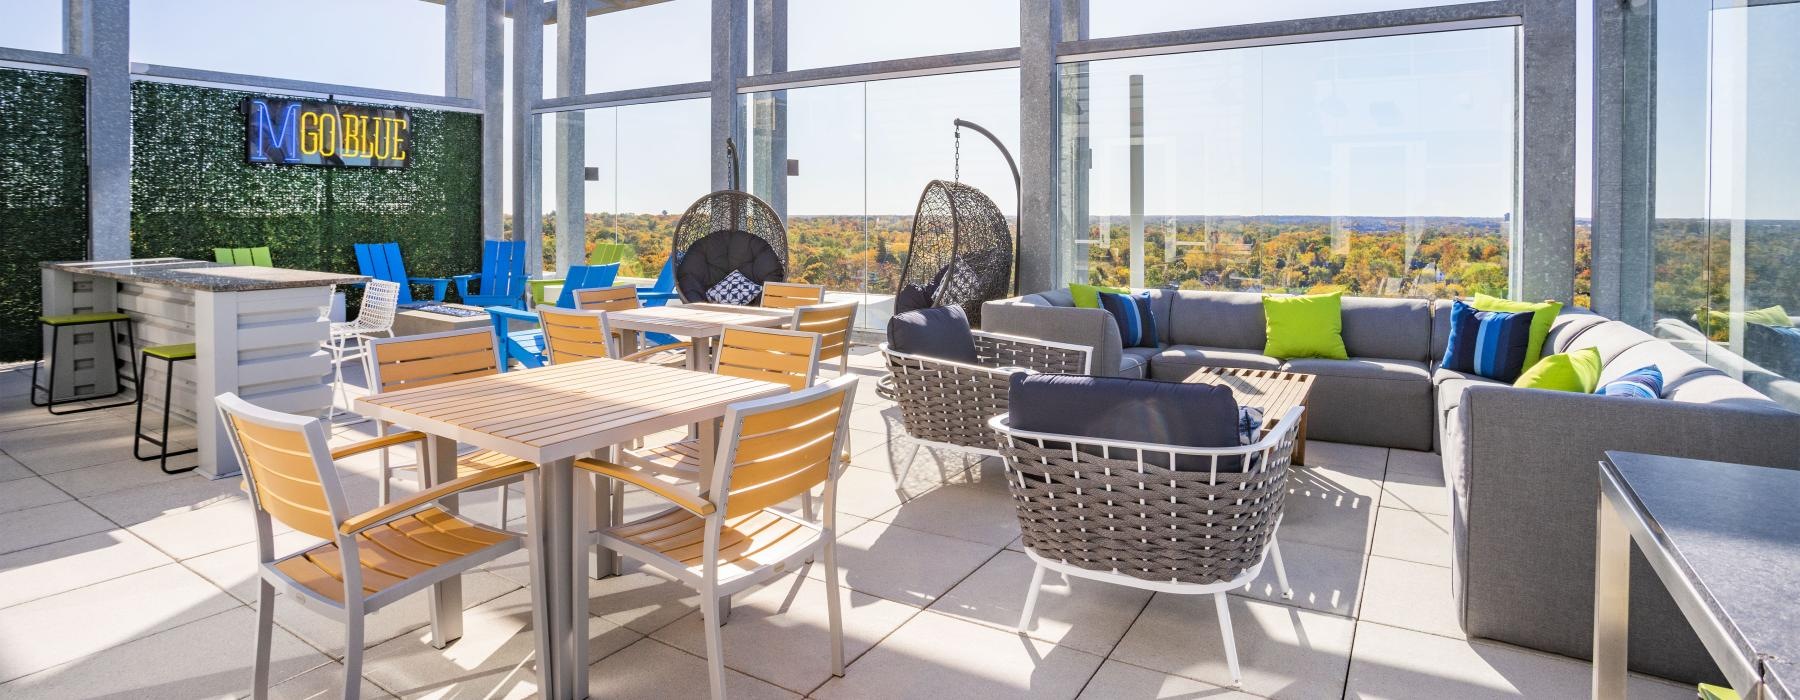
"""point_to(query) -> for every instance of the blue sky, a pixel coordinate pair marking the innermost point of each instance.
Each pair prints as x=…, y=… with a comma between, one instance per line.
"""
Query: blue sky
x=1390, y=126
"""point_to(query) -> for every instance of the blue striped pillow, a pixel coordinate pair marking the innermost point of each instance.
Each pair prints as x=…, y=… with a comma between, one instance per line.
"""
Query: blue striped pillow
x=1640, y=383
x=1137, y=326
x=1488, y=343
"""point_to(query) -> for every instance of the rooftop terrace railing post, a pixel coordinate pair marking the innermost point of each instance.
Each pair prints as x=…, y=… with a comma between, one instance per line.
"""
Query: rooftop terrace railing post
x=729, y=60
x=527, y=130
x=768, y=121
x=571, y=137
x=100, y=31
x=1040, y=29
x=475, y=68
x=1543, y=250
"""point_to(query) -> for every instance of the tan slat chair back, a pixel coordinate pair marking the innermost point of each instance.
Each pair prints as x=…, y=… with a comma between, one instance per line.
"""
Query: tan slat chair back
x=833, y=323
x=288, y=467
x=784, y=295
x=780, y=448
x=414, y=361
x=771, y=355
x=619, y=298
x=571, y=335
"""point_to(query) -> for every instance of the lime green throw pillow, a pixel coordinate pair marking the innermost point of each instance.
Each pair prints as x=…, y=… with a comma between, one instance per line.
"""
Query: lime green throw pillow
x=1577, y=371
x=1305, y=326
x=1774, y=317
x=1543, y=314
x=1087, y=296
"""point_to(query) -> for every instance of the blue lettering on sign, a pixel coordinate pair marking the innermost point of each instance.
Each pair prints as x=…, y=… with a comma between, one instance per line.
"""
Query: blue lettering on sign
x=266, y=136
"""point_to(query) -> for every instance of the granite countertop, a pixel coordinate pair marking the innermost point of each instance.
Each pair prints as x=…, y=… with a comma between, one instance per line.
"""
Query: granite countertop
x=1735, y=534
x=203, y=276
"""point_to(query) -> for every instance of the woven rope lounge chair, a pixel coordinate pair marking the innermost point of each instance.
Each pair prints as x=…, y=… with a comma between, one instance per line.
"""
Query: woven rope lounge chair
x=944, y=403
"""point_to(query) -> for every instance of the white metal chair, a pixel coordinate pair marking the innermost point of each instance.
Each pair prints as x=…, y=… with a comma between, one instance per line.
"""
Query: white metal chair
x=722, y=536
x=350, y=339
x=369, y=560
x=1104, y=510
x=416, y=361
x=833, y=323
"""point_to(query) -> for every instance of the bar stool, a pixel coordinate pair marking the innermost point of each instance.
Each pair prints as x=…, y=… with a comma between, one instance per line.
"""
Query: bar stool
x=170, y=354
x=57, y=324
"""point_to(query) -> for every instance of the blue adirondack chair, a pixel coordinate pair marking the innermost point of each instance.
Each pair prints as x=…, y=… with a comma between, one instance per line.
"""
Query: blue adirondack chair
x=502, y=277
x=659, y=293
x=527, y=346
x=382, y=261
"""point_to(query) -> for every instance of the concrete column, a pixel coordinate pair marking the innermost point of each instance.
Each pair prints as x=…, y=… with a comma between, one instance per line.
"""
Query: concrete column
x=1624, y=148
x=101, y=31
x=768, y=119
x=474, y=68
x=527, y=133
x=571, y=136
x=1040, y=25
x=729, y=60
x=1543, y=253
x=1137, y=183
x=1073, y=153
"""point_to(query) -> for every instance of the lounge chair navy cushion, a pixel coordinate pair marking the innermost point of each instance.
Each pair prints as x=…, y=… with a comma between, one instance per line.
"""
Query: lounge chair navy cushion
x=1131, y=410
x=940, y=332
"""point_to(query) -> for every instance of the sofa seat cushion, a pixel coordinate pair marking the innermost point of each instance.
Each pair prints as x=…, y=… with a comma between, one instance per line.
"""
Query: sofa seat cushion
x=1176, y=362
x=1369, y=401
x=1135, y=362
x=1449, y=385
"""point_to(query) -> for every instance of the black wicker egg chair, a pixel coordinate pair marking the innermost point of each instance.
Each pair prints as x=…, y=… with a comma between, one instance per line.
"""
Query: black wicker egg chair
x=961, y=251
x=724, y=232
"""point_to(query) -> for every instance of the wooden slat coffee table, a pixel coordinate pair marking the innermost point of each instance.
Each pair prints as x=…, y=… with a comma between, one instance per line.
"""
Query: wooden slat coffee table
x=1273, y=391
x=702, y=322
x=549, y=416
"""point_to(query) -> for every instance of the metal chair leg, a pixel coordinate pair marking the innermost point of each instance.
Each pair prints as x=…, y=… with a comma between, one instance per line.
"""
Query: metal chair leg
x=265, y=623
x=1031, y=596
x=1231, y=659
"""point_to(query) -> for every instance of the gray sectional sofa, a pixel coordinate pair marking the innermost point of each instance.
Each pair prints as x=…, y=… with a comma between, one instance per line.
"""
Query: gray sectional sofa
x=1519, y=463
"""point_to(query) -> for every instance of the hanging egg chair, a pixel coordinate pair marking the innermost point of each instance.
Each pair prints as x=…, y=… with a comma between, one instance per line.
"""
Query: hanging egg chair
x=724, y=232
x=960, y=252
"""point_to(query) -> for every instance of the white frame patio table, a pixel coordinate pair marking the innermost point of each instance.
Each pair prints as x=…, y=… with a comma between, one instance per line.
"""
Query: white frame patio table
x=550, y=416
x=704, y=323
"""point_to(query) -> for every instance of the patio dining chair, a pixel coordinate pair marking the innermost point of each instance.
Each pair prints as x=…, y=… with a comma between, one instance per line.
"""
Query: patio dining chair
x=350, y=339
x=526, y=346
x=787, y=295
x=415, y=361
x=573, y=335
x=723, y=535
x=833, y=323
x=369, y=560
x=1084, y=505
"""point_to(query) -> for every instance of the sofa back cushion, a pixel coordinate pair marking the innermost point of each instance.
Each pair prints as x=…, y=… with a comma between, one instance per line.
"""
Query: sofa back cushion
x=1391, y=329
x=1217, y=319
x=1132, y=410
x=1611, y=338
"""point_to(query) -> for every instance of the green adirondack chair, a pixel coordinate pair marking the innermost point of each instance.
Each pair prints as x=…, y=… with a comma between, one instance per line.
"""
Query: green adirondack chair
x=258, y=256
x=606, y=253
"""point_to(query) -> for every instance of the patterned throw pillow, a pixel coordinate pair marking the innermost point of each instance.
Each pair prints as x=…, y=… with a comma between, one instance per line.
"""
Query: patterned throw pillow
x=734, y=289
x=1640, y=383
x=1250, y=422
x=1490, y=344
x=1137, y=326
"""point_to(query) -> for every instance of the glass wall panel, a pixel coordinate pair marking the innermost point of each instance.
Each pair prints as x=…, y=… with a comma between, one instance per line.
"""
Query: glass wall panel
x=385, y=44
x=1124, y=17
x=837, y=32
x=1379, y=166
x=35, y=25
x=649, y=164
x=1725, y=237
x=862, y=154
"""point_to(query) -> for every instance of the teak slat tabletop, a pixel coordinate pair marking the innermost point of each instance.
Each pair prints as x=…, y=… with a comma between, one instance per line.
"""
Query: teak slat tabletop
x=550, y=416
x=1272, y=391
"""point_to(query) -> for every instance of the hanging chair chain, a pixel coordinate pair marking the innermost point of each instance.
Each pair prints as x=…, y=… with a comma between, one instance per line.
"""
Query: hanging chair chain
x=958, y=167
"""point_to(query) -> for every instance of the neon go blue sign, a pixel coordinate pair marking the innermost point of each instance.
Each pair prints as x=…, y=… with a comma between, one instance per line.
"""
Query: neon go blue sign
x=310, y=132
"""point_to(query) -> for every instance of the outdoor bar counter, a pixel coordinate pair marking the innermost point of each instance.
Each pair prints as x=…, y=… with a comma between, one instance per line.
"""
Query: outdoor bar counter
x=257, y=332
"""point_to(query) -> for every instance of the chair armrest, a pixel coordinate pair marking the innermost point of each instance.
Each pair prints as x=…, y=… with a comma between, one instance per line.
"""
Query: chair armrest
x=439, y=285
x=672, y=347
x=688, y=499
x=1038, y=354
x=648, y=294
x=449, y=488
x=1091, y=328
x=462, y=283
x=376, y=444
x=511, y=314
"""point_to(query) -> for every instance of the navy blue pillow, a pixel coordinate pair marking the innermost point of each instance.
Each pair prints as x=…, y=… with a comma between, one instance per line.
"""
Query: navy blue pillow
x=940, y=332
x=1487, y=343
x=1641, y=383
x=1135, y=410
x=1137, y=326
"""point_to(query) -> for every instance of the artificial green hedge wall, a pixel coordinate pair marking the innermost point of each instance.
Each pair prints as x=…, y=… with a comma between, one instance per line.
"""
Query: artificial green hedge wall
x=43, y=193
x=192, y=191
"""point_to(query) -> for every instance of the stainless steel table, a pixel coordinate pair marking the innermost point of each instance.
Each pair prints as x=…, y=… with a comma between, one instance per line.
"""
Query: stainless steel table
x=1725, y=540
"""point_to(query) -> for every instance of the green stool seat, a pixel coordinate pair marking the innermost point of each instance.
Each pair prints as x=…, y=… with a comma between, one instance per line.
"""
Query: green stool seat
x=83, y=319
x=172, y=353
